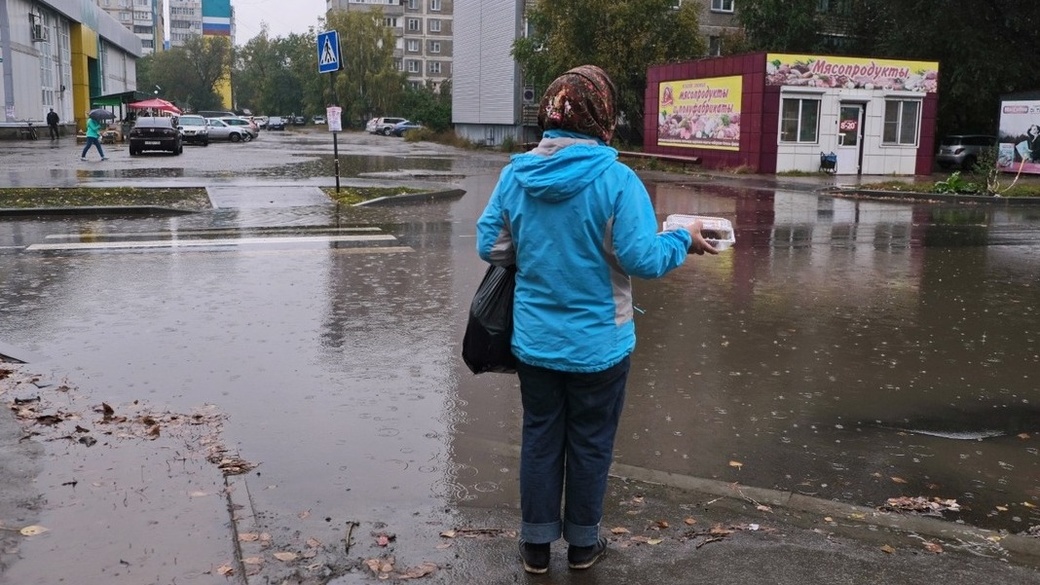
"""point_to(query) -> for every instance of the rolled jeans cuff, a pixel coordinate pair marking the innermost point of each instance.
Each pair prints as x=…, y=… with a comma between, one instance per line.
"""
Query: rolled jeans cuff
x=539, y=533
x=576, y=535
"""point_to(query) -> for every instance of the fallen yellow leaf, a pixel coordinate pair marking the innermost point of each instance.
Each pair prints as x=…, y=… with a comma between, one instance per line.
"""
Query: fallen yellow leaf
x=285, y=557
x=689, y=521
x=33, y=530
x=1002, y=508
x=933, y=547
x=898, y=480
x=225, y=570
x=887, y=549
x=253, y=560
x=736, y=464
x=655, y=541
x=1028, y=504
x=619, y=530
x=248, y=537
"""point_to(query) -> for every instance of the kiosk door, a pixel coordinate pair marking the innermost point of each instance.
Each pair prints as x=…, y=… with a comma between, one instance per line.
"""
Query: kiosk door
x=850, y=139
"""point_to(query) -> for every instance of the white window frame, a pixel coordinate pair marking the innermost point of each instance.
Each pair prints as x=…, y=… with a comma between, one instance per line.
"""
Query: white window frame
x=722, y=6
x=901, y=128
x=413, y=45
x=435, y=47
x=434, y=24
x=801, y=119
x=413, y=66
x=413, y=4
x=413, y=24
x=434, y=67
x=435, y=5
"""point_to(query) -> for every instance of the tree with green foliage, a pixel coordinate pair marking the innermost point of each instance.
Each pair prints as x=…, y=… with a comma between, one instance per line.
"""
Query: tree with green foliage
x=189, y=74
x=780, y=25
x=369, y=83
x=428, y=106
x=624, y=37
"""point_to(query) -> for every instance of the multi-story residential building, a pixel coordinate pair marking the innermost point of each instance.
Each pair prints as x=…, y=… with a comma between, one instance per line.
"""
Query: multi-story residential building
x=424, y=30
x=185, y=20
x=60, y=54
x=143, y=17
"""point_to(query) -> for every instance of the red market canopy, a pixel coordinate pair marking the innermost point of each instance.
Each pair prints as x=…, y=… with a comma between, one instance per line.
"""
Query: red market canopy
x=155, y=104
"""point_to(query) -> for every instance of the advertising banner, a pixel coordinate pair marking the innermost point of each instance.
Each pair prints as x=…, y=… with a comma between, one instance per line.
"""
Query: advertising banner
x=1019, y=137
x=334, y=118
x=851, y=73
x=700, y=113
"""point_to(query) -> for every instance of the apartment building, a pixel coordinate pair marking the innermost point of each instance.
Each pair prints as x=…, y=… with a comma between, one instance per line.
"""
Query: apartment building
x=142, y=17
x=424, y=30
x=190, y=18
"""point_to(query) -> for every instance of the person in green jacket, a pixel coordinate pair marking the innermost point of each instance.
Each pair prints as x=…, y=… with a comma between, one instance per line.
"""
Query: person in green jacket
x=93, y=138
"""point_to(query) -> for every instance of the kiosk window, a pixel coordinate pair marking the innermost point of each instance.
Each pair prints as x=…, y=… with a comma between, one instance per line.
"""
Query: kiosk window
x=800, y=120
x=901, y=122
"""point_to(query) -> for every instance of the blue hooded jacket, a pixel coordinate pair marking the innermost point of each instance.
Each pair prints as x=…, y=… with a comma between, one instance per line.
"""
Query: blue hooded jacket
x=578, y=224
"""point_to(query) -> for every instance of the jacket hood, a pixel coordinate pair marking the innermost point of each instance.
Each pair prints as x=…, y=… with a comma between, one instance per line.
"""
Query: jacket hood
x=562, y=165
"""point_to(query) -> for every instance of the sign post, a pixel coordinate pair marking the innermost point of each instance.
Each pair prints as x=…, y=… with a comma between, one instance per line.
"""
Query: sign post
x=330, y=61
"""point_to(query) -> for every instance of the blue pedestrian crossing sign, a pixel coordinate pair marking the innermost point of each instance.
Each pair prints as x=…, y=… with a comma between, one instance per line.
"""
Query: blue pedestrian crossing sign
x=328, y=52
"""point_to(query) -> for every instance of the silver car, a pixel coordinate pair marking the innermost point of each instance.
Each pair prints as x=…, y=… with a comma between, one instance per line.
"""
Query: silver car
x=244, y=123
x=219, y=129
x=963, y=150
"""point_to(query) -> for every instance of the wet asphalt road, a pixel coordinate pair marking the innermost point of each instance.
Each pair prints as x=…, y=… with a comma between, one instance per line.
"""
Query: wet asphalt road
x=320, y=344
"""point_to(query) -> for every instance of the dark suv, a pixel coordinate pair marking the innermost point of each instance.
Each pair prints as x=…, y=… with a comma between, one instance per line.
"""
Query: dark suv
x=962, y=150
x=155, y=133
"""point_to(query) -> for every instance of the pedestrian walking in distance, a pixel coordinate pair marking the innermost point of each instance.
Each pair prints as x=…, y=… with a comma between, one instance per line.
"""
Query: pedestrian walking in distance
x=52, y=123
x=93, y=138
x=578, y=224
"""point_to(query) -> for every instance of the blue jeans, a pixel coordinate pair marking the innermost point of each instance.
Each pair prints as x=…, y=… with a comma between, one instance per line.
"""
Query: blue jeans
x=91, y=141
x=570, y=421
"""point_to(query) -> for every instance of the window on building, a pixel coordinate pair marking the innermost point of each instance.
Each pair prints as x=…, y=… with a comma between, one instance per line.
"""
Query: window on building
x=714, y=46
x=390, y=21
x=434, y=24
x=413, y=66
x=399, y=64
x=142, y=30
x=435, y=5
x=413, y=4
x=902, y=119
x=413, y=45
x=414, y=24
x=800, y=120
x=435, y=46
x=435, y=67
x=722, y=5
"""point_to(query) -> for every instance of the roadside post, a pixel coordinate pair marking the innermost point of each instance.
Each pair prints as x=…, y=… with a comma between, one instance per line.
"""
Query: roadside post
x=330, y=61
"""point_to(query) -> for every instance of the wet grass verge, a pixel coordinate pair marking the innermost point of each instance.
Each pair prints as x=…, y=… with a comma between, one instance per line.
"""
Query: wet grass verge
x=182, y=198
x=355, y=195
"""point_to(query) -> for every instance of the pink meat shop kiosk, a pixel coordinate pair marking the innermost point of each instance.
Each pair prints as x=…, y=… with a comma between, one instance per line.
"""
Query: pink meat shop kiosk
x=773, y=112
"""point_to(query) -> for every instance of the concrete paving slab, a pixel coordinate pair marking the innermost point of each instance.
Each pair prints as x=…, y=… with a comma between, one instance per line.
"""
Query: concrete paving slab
x=265, y=197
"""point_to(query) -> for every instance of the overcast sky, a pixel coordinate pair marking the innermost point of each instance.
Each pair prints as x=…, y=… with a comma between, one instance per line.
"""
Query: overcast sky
x=282, y=17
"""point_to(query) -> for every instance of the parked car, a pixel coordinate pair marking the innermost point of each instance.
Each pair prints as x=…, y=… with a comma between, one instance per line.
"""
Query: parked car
x=401, y=127
x=216, y=114
x=261, y=121
x=155, y=133
x=194, y=129
x=276, y=123
x=382, y=126
x=963, y=150
x=319, y=119
x=221, y=130
x=299, y=120
x=245, y=123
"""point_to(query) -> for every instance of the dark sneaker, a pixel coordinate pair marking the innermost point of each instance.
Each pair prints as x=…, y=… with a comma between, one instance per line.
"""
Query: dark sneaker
x=583, y=557
x=535, y=557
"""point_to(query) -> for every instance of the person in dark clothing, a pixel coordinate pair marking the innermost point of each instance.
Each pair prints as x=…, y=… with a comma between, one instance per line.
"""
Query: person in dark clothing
x=52, y=123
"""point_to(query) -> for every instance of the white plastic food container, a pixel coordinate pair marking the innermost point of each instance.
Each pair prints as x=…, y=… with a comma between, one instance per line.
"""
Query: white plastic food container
x=716, y=230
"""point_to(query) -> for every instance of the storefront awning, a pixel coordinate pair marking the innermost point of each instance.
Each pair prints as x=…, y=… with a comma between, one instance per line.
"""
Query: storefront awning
x=116, y=99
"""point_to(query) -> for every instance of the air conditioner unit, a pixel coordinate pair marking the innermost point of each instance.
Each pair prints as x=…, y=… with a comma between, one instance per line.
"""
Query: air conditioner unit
x=39, y=33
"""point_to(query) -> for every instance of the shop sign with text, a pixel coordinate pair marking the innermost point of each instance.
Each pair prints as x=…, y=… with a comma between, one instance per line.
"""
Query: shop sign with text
x=700, y=113
x=1019, y=140
x=851, y=73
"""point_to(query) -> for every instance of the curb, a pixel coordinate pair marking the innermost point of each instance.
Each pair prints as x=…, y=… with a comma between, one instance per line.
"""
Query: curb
x=852, y=192
x=413, y=197
x=92, y=210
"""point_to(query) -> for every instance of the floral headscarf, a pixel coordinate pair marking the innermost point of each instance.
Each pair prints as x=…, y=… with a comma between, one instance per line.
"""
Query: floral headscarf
x=582, y=100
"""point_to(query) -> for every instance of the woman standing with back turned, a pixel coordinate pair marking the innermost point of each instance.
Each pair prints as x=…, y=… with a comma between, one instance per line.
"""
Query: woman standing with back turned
x=578, y=224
